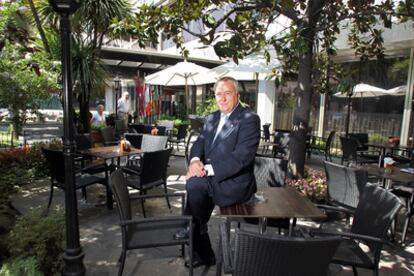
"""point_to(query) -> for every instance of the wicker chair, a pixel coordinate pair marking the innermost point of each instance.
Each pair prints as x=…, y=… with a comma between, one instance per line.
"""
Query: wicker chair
x=321, y=144
x=281, y=139
x=109, y=137
x=150, y=232
x=179, y=139
x=153, y=142
x=56, y=163
x=350, y=152
x=257, y=254
x=373, y=216
x=152, y=172
x=270, y=172
x=345, y=185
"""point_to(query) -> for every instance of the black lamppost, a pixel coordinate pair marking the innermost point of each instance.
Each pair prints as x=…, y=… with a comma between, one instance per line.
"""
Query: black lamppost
x=117, y=87
x=73, y=256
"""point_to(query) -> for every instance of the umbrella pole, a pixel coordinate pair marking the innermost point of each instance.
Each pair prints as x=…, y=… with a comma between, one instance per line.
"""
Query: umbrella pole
x=186, y=97
x=348, y=116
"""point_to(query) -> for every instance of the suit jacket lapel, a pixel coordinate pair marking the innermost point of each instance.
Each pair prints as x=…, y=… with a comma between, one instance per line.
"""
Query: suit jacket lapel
x=227, y=128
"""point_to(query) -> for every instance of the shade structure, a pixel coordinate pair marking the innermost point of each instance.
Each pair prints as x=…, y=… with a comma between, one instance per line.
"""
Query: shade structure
x=182, y=73
x=253, y=67
x=361, y=90
x=397, y=91
x=364, y=90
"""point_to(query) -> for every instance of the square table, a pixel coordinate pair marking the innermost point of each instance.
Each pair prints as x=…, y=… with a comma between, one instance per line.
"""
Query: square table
x=109, y=152
x=396, y=175
x=279, y=202
x=106, y=153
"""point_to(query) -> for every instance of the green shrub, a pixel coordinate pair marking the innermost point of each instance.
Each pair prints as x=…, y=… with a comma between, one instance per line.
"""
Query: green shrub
x=19, y=266
x=41, y=236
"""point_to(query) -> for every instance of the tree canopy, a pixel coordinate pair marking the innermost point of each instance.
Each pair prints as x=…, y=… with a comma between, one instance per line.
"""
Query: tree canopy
x=305, y=45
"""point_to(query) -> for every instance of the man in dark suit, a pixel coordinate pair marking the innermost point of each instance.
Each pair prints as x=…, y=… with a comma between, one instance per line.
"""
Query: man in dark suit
x=221, y=164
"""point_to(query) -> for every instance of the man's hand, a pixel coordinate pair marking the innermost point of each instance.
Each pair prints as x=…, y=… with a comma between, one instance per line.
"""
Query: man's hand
x=196, y=169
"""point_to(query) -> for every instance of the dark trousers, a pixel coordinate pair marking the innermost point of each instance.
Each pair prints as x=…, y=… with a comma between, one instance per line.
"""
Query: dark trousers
x=200, y=205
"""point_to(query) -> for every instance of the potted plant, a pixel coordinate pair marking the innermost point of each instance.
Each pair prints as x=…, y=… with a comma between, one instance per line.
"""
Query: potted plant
x=95, y=134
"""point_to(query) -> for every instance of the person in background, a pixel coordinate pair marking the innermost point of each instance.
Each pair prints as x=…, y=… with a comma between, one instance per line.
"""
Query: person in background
x=98, y=118
x=123, y=107
x=221, y=165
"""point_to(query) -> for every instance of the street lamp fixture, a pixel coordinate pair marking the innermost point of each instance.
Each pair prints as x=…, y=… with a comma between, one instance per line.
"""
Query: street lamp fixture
x=117, y=88
x=73, y=256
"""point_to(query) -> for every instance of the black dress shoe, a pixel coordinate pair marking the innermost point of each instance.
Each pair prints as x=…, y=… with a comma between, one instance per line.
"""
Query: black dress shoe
x=182, y=234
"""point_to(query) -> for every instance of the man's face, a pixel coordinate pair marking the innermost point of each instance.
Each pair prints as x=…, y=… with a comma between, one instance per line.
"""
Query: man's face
x=226, y=96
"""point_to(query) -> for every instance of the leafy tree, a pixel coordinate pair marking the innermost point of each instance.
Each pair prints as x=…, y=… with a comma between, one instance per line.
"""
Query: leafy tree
x=23, y=78
x=90, y=28
x=305, y=46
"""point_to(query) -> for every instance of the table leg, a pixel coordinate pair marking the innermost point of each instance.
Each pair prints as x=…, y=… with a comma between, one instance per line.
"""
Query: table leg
x=292, y=221
x=262, y=224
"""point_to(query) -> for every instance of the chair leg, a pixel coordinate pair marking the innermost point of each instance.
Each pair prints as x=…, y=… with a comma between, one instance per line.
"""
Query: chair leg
x=121, y=262
x=167, y=198
x=354, y=270
x=50, y=197
x=406, y=225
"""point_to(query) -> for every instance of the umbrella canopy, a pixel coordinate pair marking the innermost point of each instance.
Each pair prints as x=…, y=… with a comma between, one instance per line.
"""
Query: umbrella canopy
x=364, y=90
x=253, y=67
x=397, y=91
x=182, y=73
x=361, y=90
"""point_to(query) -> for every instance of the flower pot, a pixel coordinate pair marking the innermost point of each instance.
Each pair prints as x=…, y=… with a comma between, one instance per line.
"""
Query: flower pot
x=96, y=137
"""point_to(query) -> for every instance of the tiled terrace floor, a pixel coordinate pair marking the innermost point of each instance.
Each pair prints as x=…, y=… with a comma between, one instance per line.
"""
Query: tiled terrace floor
x=101, y=236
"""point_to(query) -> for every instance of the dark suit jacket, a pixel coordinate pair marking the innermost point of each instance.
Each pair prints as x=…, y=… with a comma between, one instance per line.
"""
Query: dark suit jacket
x=231, y=155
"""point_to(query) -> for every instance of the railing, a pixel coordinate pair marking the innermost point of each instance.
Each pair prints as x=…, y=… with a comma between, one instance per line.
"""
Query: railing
x=7, y=140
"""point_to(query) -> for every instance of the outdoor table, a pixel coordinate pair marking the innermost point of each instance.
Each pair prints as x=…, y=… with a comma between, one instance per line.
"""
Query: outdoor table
x=109, y=152
x=387, y=146
x=395, y=175
x=106, y=153
x=277, y=202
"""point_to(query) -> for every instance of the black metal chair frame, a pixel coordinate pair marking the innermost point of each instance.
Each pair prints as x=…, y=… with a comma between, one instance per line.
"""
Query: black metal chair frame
x=148, y=232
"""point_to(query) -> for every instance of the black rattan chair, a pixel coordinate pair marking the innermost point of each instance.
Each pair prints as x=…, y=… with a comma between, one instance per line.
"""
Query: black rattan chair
x=350, y=154
x=270, y=172
x=56, y=163
x=321, y=144
x=179, y=138
x=152, y=173
x=258, y=254
x=148, y=232
x=88, y=165
x=344, y=185
x=135, y=139
x=373, y=216
x=109, y=137
x=281, y=139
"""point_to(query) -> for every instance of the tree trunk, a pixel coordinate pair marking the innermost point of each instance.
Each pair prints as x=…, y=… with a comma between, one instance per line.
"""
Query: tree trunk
x=301, y=117
x=39, y=26
x=304, y=92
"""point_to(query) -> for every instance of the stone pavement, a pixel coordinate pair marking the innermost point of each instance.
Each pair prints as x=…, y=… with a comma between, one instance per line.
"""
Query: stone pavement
x=101, y=235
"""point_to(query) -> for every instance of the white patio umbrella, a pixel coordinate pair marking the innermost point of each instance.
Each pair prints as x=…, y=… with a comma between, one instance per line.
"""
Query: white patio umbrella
x=253, y=67
x=182, y=73
x=361, y=90
x=397, y=91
